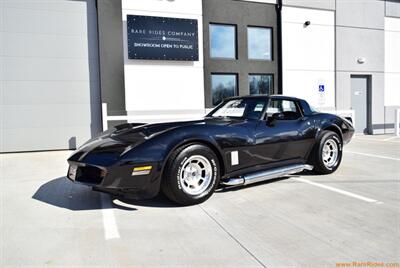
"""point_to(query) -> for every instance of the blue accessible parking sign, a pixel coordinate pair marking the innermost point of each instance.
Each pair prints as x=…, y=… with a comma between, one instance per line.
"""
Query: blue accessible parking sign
x=321, y=88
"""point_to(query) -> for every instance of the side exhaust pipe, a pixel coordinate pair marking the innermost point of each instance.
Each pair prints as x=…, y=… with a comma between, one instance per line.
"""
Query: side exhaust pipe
x=266, y=175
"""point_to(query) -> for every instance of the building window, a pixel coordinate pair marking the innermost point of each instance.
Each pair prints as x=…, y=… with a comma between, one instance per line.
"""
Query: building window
x=259, y=43
x=223, y=41
x=261, y=84
x=223, y=86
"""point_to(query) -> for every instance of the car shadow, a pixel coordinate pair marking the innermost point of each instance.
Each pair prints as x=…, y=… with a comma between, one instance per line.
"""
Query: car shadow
x=63, y=193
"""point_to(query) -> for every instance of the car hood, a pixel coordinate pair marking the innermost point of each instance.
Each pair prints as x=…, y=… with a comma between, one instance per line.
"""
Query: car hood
x=133, y=132
x=110, y=145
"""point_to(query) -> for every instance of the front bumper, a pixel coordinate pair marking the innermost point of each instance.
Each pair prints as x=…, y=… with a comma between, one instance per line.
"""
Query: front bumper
x=117, y=179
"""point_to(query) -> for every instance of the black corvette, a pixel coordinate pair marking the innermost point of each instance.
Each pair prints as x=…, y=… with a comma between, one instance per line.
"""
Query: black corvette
x=243, y=140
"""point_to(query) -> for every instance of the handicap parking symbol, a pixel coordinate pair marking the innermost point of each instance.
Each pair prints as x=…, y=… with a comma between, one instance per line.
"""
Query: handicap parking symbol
x=321, y=88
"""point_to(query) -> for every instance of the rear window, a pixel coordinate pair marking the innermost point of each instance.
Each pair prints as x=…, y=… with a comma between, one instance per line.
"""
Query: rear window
x=288, y=108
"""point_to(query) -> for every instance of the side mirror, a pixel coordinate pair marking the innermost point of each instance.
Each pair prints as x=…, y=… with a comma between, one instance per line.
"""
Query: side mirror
x=276, y=116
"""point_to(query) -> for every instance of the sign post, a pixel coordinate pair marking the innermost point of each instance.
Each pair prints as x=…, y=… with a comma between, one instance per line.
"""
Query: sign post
x=321, y=94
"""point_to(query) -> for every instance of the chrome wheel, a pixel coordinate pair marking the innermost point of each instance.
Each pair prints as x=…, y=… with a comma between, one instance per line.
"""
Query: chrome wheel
x=330, y=153
x=196, y=175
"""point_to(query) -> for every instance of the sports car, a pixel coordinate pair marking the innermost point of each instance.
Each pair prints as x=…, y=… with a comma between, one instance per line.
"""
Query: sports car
x=242, y=141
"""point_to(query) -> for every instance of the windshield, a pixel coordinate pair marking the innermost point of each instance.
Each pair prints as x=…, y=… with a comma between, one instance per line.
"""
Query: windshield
x=241, y=108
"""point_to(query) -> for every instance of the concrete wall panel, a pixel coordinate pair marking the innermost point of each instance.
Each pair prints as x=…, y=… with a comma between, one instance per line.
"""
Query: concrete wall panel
x=392, y=61
x=111, y=56
x=355, y=43
x=377, y=103
x=392, y=64
x=164, y=85
x=360, y=13
x=392, y=89
x=2, y=9
x=360, y=36
x=324, y=4
x=305, y=85
x=392, y=8
x=390, y=118
x=309, y=55
x=343, y=90
x=165, y=6
x=311, y=47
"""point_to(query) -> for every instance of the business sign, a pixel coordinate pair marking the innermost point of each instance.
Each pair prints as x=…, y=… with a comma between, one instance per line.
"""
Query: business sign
x=159, y=38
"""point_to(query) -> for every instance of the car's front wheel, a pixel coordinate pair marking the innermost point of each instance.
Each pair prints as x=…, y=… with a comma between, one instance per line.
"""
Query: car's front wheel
x=191, y=175
x=327, y=154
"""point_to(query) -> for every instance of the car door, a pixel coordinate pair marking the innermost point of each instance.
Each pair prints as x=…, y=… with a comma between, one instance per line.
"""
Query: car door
x=286, y=139
x=237, y=138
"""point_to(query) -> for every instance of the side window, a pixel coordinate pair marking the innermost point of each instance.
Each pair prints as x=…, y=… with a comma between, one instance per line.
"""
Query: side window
x=256, y=110
x=288, y=108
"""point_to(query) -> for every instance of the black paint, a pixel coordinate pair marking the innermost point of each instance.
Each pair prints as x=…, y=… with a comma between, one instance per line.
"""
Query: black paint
x=261, y=146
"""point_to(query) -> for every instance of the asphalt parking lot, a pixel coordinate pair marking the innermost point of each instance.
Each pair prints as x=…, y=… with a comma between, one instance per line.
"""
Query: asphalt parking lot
x=350, y=216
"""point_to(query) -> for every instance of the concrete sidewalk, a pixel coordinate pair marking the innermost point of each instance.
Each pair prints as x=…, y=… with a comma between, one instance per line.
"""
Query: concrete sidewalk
x=302, y=221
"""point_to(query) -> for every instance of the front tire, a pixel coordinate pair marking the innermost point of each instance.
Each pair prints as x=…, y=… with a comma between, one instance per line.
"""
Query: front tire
x=327, y=154
x=191, y=175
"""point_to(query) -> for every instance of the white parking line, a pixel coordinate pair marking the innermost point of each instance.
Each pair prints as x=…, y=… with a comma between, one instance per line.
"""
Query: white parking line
x=336, y=190
x=373, y=155
x=123, y=204
x=391, y=138
x=386, y=140
x=109, y=222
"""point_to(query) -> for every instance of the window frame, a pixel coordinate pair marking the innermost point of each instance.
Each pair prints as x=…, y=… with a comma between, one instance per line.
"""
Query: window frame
x=271, y=42
x=236, y=93
x=235, y=41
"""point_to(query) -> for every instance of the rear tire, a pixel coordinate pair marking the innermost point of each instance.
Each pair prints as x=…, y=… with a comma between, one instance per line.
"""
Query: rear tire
x=327, y=154
x=191, y=175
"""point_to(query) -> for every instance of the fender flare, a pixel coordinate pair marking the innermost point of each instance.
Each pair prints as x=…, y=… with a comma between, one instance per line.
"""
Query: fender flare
x=332, y=127
x=207, y=141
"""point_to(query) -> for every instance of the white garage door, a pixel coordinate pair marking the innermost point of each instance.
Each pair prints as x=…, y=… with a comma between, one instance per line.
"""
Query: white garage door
x=50, y=96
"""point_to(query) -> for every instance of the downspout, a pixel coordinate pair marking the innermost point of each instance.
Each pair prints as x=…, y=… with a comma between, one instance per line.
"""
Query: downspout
x=279, y=44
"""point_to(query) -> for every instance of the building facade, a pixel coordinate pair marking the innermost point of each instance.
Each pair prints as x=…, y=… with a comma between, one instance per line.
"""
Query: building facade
x=156, y=60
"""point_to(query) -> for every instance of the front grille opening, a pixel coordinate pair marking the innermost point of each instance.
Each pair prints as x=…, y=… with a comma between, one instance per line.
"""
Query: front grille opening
x=89, y=174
